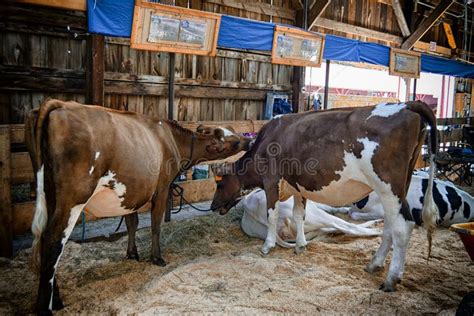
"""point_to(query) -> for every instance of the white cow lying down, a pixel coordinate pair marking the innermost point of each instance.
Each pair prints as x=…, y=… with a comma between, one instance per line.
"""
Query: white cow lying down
x=255, y=222
x=454, y=205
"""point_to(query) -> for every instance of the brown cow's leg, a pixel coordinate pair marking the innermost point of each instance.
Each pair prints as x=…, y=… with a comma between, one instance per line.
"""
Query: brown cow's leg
x=53, y=240
x=158, y=207
x=132, y=223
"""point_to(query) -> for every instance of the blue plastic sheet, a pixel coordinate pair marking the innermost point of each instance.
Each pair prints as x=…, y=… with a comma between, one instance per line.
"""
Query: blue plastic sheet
x=114, y=18
x=245, y=34
x=110, y=17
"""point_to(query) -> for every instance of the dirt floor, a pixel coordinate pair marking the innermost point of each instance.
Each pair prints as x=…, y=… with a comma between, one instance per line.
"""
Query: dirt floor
x=214, y=268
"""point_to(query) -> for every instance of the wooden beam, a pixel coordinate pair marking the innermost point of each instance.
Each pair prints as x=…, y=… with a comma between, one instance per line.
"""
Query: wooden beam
x=426, y=24
x=41, y=83
x=402, y=23
x=449, y=35
x=257, y=7
x=95, y=70
x=356, y=30
x=79, y=5
x=119, y=87
x=316, y=11
x=6, y=247
x=365, y=32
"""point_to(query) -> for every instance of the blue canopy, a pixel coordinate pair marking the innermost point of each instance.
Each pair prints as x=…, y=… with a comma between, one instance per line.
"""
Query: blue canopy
x=114, y=18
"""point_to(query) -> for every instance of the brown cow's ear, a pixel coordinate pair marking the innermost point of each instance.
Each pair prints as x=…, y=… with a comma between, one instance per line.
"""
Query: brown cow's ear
x=200, y=129
x=218, y=133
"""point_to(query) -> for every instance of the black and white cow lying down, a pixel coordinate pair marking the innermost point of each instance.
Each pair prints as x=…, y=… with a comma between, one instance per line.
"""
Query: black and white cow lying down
x=317, y=222
x=454, y=205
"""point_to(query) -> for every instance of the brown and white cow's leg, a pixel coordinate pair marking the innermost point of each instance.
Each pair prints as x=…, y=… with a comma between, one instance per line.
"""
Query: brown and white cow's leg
x=401, y=232
x=131, y=220
x=54, y=238
x=158, y=207
x=299, y=213
x=398, y=225
x=272, y=194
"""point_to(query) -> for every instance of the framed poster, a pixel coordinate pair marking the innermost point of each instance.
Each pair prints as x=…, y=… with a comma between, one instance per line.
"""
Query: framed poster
x=173, y=29
x=297, y=47
x=404, y=63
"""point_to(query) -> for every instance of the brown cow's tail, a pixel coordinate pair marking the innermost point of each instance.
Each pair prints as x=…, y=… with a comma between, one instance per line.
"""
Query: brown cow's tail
x=34, y=138
x=430, y=213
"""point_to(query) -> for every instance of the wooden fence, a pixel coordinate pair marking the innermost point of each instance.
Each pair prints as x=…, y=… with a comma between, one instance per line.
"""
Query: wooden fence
x=16, y=169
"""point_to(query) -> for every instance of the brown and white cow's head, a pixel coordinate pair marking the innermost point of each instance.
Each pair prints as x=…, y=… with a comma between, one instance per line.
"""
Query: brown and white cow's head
x=227, y=142
x=229, y=190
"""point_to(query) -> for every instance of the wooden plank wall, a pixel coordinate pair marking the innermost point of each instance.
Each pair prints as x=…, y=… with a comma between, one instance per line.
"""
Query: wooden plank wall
x=40, y=57
x=379, y=16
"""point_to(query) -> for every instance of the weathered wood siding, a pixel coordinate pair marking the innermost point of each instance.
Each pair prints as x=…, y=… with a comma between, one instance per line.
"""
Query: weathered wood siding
x=40, y=58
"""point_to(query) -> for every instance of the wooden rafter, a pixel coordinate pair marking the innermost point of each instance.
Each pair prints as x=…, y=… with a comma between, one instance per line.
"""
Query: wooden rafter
x=316, y=11
x=402, y=23
x=427, y=24
x=381, y=36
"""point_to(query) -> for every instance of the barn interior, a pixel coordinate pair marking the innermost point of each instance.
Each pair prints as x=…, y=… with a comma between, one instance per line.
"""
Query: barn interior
x=81, y=51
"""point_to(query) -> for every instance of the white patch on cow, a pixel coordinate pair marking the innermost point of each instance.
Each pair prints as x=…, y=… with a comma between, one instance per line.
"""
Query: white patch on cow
x=97, y=154
x=272, y=228
x=226, y=131
x=74, y=215
x=160, y=123
x=386, y=110
x=91, y=169
x=278, y=116
x=107, y=199
x=356, y=181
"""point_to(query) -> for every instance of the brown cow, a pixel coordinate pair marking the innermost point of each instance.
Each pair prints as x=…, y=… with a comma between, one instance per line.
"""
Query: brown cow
x=108, y=163
x=337, y=157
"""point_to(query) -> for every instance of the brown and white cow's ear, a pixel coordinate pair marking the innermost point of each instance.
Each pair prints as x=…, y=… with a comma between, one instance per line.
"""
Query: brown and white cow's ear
x=219, y=133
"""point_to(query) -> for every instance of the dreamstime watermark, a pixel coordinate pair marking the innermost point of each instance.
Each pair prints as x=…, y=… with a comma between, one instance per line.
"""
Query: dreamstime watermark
x=273, y=160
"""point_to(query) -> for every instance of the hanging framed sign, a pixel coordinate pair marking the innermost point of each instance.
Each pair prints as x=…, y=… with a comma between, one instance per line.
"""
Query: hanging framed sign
x=167, y=28
x=297, y=47
x=404, y=63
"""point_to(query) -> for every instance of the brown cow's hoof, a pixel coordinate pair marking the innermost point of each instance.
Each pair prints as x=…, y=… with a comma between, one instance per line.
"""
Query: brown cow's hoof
x=300, y=249
x=133, y=256
x=387, y=287
x=159, y=262
x=372, y=269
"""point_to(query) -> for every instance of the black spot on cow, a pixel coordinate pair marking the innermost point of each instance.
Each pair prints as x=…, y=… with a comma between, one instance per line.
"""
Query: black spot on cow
x=416, y=212
x=360, y=205
x=405, y=211
x=467, y=210
x=424, y=186
x=454, y=200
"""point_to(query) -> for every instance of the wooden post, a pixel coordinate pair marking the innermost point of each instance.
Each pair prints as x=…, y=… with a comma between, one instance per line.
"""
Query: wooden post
x=6, y=235
x=407, y=85
x=414, y=89
x=171, y=66
x=95, y=70
x=326, y=85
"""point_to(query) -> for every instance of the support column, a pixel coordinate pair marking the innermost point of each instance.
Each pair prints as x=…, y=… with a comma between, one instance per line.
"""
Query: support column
x=6, y=233
x=326, y=85
x=171, y=66
x=95, y=70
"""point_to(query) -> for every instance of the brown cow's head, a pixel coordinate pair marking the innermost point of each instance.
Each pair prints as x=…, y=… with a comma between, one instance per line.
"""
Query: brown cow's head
x=227, y=141
x=228, y=192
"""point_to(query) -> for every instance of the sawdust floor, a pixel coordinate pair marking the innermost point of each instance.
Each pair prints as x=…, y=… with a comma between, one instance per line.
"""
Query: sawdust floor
x=214, y=268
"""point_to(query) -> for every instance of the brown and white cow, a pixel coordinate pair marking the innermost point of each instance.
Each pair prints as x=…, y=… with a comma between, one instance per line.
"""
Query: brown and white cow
x=337, y=157
x=108, y=163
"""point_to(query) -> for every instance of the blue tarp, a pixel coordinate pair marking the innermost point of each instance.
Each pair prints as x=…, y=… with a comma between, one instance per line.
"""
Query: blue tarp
x=114, y=18
x=245, y=34
x=110, y=17
x=344, y=49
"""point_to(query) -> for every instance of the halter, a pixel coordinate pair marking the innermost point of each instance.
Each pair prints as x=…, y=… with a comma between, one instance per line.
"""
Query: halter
x=187, y=165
